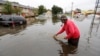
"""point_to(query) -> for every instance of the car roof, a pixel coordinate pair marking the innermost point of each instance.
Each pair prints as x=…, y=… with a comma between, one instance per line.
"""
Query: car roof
x=9, y=16
x=5, y=16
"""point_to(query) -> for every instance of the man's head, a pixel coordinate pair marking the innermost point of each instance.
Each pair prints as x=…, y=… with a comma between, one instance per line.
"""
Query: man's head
x=63, y=18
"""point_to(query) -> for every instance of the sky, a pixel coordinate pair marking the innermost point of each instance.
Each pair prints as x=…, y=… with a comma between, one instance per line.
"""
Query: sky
x=65, y=4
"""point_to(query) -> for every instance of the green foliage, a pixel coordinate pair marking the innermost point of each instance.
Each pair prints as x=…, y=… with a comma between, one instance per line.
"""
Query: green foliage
x=35, y=10
x=41, y=9
x=17, y=10
x=8, y=8
x=56, y=10
x=55, y=19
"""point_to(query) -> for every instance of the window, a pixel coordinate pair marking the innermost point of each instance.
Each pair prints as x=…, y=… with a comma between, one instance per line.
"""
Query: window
x=10, y=19
x=1, y=19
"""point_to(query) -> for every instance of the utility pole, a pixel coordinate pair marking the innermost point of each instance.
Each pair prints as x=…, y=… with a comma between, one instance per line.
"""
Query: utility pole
x=97, y=6
x=72, y=11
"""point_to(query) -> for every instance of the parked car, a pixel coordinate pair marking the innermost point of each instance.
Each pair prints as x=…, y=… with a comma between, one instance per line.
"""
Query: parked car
x=12, y=19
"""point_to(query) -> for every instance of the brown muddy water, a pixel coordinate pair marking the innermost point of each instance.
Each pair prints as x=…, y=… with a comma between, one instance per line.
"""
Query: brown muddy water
x=37, y=39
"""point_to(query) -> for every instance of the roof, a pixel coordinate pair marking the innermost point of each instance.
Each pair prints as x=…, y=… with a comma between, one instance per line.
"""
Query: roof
x=16, y=4
x=2, y=2
x=20, y=5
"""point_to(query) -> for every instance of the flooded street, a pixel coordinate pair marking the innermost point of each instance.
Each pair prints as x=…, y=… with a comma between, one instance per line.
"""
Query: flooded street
x=36, y=39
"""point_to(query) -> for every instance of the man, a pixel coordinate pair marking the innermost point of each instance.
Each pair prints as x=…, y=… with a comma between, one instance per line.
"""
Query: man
x=71, y=30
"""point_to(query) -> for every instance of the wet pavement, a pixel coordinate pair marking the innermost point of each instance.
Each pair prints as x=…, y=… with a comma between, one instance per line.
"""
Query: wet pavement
x=36, y=39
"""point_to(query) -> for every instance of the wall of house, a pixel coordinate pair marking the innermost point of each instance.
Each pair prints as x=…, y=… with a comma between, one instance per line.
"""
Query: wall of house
x=25, y=11
x=1, y=7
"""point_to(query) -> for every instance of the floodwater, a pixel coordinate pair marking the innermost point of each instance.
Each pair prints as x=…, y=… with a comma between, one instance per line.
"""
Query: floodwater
x=36, y=39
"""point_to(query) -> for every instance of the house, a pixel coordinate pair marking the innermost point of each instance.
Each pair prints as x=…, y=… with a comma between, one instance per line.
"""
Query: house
x=26, y=10
x=1, y=5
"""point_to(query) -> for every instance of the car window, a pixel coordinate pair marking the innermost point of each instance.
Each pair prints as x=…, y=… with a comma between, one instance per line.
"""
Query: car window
x=10, y=19
x=15, y=19
x=1, y=19
x=6, y=18
x=19, y=18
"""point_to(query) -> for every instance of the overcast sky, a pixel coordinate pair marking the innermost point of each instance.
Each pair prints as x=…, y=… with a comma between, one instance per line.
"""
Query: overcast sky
x=65, y=4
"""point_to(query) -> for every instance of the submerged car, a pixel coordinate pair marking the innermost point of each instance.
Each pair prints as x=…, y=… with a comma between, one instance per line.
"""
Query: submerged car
x=8, y=20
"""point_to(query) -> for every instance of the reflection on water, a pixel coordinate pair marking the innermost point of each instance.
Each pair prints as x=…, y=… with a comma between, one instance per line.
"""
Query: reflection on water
x=39, y=21
x=17, y=29
x=37, y=40
x=94, y=27
x=55, y=19
x=67, y=49
x=98, y=26
x=80, y=19
x=31, y=21
x=10, y=30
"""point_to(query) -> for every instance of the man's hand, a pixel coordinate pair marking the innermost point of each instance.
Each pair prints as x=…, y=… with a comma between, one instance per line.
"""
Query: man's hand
x=65, y=37
x=55, y=37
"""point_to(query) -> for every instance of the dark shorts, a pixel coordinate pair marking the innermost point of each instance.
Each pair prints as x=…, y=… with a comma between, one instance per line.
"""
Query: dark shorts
x=73, y=42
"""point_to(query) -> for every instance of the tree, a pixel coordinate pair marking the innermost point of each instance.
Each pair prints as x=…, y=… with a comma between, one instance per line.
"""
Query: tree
x=7, y=8
x=41, y=9
x=17, y=10
x=56, y=10
x=35, y=10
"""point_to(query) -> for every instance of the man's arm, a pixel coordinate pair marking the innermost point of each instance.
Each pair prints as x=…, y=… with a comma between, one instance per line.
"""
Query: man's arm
x=61, y=31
